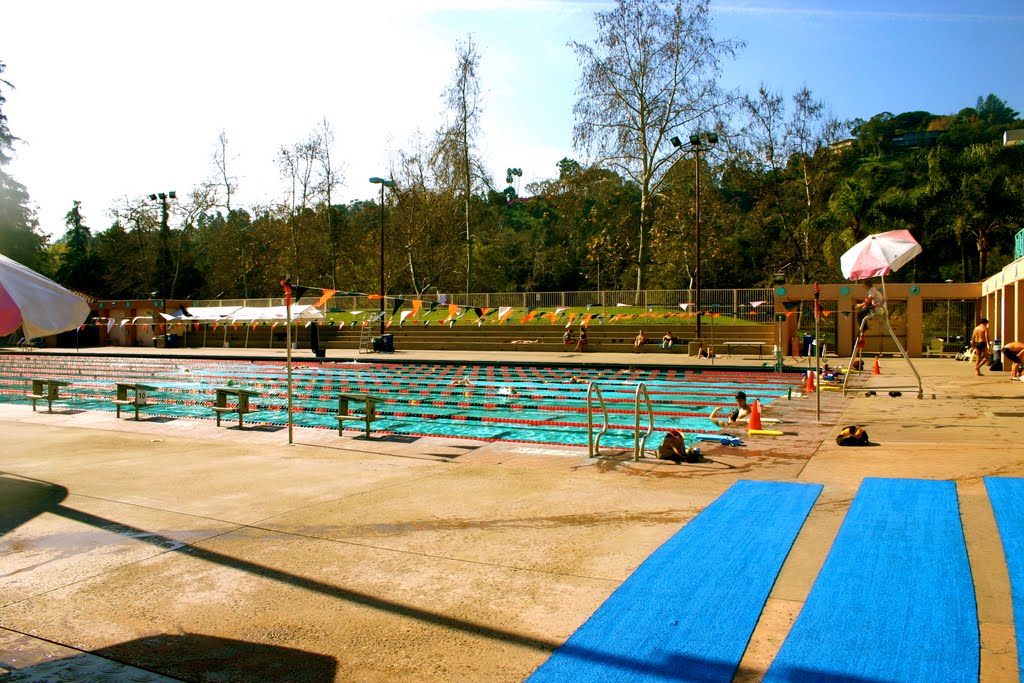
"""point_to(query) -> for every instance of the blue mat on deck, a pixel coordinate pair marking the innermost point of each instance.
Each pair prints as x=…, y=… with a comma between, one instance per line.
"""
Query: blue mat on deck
x=1007, y=498
x=895, y=598
x=687, y=612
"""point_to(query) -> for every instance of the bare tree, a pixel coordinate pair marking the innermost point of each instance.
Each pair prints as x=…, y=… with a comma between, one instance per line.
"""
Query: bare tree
x=224, y=178
x=328, y=178
x=296, y=164
x=651, y=74
x=457, y=139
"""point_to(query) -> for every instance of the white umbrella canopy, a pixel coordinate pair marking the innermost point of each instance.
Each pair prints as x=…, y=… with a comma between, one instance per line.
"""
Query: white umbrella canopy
x=38, y=304
x=879, y=255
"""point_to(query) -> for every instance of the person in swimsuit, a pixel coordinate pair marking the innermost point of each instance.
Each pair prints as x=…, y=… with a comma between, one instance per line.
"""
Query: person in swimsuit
x=979, y=340
x=741, y=411
x=581, y=343
x=1012, y=352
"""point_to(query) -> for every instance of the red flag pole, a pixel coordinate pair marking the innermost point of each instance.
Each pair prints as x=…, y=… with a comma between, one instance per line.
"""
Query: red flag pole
x=817, y=351
x=287, y=284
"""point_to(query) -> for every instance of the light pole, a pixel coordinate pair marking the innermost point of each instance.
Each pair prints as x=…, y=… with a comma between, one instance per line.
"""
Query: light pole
x=383, y=183
x=699, y=142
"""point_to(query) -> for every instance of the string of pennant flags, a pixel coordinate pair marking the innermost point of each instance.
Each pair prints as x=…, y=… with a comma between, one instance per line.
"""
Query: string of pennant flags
x=274, y=316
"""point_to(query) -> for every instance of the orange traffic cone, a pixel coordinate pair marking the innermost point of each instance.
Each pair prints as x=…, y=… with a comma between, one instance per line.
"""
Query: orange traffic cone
x=878, y=370
x=755, y=416
x=809, y=388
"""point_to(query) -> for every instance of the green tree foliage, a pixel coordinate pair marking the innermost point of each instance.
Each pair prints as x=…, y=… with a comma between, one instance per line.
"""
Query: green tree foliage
x=20, y=239
x=77, y=269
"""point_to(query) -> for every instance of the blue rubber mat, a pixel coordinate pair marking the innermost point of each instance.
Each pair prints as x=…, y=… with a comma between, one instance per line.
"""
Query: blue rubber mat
x=1007, y=498
x=895, y=598
x=686, y=614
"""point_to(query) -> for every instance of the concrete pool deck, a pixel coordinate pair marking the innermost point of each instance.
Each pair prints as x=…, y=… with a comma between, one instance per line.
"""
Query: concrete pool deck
x=190, y=551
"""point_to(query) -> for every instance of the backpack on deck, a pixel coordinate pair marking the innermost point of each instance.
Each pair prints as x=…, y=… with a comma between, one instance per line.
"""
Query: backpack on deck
x=852, y=436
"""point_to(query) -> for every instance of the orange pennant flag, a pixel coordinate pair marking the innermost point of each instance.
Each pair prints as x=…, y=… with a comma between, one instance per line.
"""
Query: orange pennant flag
x=416, y=304
x=328, y=293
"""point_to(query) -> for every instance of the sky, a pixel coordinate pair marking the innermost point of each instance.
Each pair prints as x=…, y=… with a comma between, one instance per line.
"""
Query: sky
x=119, y=99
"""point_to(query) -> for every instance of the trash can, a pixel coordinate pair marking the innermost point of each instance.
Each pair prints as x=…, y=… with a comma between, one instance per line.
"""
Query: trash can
x=159, y=341
x=997, y=356
x=172, y=341
x=377, y=344
x=389, y=342
x=807, y=345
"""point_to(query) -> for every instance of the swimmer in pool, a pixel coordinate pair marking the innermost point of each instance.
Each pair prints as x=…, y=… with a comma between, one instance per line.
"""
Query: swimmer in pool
x=740, y=412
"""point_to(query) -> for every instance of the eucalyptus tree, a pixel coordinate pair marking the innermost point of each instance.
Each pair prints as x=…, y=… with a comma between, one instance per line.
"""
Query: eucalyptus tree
x=789, y=148
x=328, y=177
x=221, y=161
x=456, y=141
x=296, y=164
x=651, y=74
x=425, y=222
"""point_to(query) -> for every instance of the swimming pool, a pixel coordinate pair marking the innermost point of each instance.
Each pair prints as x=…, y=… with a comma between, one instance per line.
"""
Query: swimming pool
x=518, y=403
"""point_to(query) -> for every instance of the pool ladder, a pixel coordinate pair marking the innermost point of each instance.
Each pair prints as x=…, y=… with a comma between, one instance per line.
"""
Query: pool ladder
x=639, y=440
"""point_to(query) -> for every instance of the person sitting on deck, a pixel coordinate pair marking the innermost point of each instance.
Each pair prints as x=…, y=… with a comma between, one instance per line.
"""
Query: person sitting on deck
x=668, y=341
x=705, y=351
x=567, y=338
x=640, y=340
x=582, y=342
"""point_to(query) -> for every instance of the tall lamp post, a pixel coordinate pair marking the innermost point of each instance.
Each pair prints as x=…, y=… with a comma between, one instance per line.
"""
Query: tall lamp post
x=699, y=142
x=383, y=183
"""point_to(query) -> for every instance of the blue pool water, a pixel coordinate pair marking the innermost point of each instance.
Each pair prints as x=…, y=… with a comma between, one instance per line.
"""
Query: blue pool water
x=533, y=404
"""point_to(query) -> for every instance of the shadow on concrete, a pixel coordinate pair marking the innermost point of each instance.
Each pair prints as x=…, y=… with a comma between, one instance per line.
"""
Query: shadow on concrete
x=22, y=499
x=193, y=656
x=187, y=657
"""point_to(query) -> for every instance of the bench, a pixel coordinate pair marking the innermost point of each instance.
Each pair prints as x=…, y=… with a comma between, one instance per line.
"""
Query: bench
x=46, y=390
x=730, y=345
x=241, y=399
x=654, y=346
x=139, y=396
x=369, y=414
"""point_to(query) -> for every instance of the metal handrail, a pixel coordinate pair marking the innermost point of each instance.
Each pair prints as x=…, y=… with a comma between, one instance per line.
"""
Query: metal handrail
x=640, y=441
x=593, y=445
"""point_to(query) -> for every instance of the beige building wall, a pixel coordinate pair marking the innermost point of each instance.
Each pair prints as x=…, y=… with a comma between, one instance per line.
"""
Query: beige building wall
x=1003, y=302
x=841, y=299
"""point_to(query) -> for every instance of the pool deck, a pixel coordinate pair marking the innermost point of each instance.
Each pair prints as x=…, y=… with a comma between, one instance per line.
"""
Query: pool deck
x=186, y=549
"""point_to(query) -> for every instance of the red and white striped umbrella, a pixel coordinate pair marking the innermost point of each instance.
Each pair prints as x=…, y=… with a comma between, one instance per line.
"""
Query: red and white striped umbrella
x=879, y=255
x=39, y=305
